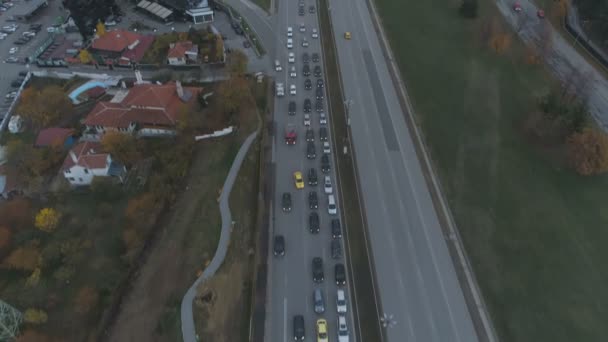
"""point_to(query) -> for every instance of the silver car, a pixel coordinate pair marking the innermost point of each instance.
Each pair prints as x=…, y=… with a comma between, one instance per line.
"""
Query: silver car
x=319, y=303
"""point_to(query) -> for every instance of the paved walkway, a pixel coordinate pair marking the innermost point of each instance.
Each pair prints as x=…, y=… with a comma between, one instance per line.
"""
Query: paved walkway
x=188, y=329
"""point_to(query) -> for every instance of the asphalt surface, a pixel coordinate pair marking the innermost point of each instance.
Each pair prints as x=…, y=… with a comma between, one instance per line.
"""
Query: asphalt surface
x=290, y=285
x=415, y=276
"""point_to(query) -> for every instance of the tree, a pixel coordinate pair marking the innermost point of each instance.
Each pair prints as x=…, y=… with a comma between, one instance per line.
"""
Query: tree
x=122, y=147
x=219, y=48
x=237, y=63
x=32, y=336
x=85, y=56
x=16, y=213
x=44, y=107
x=35, y=316
x=231, y=94
x=500, y=42
x=5, y=236
x=131, y=239
x=587, y=151
x=468, y=9
x=34, y=278
x=100, y=28
x=25, y=258
x=86, y=300
x=47, y=219
x=139, y=211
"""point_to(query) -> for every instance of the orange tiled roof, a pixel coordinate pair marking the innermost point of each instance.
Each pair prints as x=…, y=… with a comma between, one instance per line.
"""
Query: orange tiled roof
x=179, y=50
x=116, y=40
x=88, y=155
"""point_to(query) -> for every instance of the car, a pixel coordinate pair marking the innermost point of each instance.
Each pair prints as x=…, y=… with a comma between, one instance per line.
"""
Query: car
x=327, y=185
x=286, y=201
x=336, y=249
x=3, y=9
x=307, y=84
x=312, y=177
x=292, y=89
x=23, y=73
x=341, y=301
x=12, y=59
x=298, y=328
x=291, y=108
x=302, y=28
x=347, y=35
x=326, y=148
x=291, y=57
x=332, y=208
x=311, y=152
x=317, y=270
x=278, y=248
x=301, y=11
x=310, y=135
x=313, y=200
x=306, y=119
x=315, y=57
x=277, y=65
x=35, y=26
x=320, y=93
x=323, y=133
x=322, y=330
x=322, y=118
x=318, y=302
x=313, y=223
x=307, y=106
x=319, y=105
x=311, y=9
x=292, y=72
x=342, y=329
x=320, y=83
x=289, y=31
x=306, y=70
x=325, y=167
x=51, y=29
x=340, y=274
x=11, y=95
x=517, y=6
x=13, y=50
x=317, y=71
x=2, y=36
x=304, y=42
x=305, y=57
x=299, y=181
x=315, y=33
x=289, y=43
x=540, y=13
x=16, y=84
x=29, y=34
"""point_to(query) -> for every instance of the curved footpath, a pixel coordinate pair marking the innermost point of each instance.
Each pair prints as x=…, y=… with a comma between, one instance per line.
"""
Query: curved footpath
x=188, y=330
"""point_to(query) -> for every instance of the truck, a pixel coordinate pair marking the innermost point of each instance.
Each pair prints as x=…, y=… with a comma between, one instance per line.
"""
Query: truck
x=280, y=88
x=290, y=134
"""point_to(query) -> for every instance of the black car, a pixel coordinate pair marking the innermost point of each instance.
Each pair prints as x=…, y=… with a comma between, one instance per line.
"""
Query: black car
x=298, y=328
x=307, y=106
x=323, y=133
x=320, y=83
x=292, y=108
x=301, y=11
x=319, y=105
x=317, y=270
x=315, y=57
x=279, y=245
x=311, y=152
x=313, y=200
x=336, y=230
x=317, y=71
x=311, y=9
x=305, y=57
x=313, y=223
x=340, y=274
x=307, y=84
x=325, y=163
x=15, y=84
x=23, y=73
x=19, y=42
x=306, y=70
x=320, y=93
x=336, y=249
x=286, y=201
x=310, y=135
x=312, y=177
x=35, y=27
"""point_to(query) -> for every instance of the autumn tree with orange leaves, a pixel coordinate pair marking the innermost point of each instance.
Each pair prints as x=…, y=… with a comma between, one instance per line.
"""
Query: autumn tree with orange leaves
x=587, y=151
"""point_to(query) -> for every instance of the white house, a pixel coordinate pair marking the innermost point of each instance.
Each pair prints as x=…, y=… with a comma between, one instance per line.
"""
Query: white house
x=181, y=53
x=85, y=161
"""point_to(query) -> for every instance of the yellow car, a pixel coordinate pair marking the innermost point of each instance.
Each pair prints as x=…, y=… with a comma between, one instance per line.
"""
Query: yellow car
x=297, y=176
x=322, y=330
x=347, y=35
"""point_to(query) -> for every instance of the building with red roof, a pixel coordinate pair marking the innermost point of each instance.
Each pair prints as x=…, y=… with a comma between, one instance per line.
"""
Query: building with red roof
x=121, y=47
x=55, y=136
x=181, y=53
x=87, y=160
x=146, y=110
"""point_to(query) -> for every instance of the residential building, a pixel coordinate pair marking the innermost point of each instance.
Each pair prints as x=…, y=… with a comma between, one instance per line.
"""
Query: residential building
x=86, y=160
x=145, y=110
x=181, y=53
x=199, y=11
x=55, y=136
x=120, y=47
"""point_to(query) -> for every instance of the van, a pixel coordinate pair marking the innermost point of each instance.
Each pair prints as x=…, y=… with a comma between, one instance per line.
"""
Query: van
x=332, y=209
x=50, y=29
x=319, y=303
x=277, y=65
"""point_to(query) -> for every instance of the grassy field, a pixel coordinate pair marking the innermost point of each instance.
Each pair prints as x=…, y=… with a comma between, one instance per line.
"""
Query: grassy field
x=534, y=230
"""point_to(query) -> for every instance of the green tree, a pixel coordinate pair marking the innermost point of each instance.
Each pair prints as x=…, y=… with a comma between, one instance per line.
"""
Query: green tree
x=237, y=63
x=468, y=9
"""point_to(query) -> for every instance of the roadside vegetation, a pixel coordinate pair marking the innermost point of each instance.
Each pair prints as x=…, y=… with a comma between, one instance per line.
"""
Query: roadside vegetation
x=211, y=46
x=510, y=147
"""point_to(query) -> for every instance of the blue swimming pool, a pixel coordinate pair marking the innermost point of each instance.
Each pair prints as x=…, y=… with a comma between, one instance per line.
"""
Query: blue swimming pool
x=81, y=89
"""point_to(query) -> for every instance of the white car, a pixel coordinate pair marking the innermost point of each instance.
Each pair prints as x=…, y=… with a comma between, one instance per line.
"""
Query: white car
x=306, y=119
x=304, y=42
x=11, y=95
x=341, y=301
x=28, y=34
x=289, y=31
x=289, y=43
x=302, y=28
x=292, y=89
x=342, y=329
x=332, y=208
x=292, y=72
x=327, y=185
x=326, y=148
x=291, y=57
x=277, y=65
x=13, y=50
x=315, y=33
x=322, y=118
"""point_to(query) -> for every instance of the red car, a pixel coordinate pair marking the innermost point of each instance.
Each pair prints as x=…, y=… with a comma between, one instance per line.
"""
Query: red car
x=540, y=13
x=517, y=7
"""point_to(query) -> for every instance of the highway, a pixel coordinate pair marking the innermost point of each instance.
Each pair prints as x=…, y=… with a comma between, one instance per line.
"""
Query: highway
x=290, y=285
x=415, y=276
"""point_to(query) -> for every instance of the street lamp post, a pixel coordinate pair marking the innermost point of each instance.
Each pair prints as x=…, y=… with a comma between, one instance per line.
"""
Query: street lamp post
x=387, y=321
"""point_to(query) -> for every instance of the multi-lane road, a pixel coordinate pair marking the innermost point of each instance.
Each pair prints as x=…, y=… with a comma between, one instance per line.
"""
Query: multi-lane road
x=291, y=283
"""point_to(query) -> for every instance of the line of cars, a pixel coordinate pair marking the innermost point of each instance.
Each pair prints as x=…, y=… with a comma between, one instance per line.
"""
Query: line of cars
x=314, y=227
x=24, y=39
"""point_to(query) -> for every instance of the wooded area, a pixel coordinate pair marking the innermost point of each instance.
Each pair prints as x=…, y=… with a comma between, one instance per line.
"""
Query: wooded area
x=594, y=16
